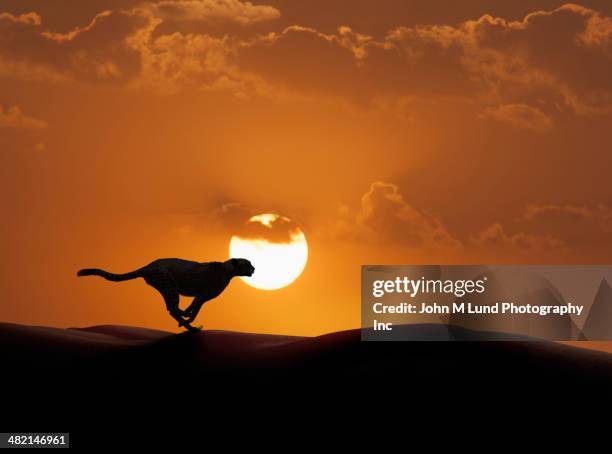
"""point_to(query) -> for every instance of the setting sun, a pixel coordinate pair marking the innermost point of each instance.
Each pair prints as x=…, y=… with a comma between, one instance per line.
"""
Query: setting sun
x=277, y=263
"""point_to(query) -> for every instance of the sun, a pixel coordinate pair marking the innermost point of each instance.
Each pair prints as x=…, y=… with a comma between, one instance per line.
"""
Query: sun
x=278, y=258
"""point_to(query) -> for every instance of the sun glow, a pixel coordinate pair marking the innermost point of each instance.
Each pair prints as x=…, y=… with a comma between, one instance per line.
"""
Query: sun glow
x=277, y=263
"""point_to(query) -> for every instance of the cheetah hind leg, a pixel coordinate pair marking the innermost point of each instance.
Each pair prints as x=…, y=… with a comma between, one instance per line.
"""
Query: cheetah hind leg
x=171, y=298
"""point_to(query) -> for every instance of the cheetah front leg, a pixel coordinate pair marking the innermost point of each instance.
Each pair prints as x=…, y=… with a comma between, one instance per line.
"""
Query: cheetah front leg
x=184, y=323
x=165, y=285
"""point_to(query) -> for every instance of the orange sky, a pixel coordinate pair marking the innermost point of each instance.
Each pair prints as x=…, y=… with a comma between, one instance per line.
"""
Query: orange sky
x=391, y=131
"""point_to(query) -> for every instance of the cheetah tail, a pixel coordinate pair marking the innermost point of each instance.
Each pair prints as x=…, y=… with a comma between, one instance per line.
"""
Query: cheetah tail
x=110, y=276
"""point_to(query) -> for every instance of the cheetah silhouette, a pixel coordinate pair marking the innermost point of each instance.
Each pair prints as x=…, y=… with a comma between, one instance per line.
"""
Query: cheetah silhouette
x=174, y=277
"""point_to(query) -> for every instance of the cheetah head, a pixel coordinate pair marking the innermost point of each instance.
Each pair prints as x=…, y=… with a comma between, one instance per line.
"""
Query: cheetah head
x=242, y=267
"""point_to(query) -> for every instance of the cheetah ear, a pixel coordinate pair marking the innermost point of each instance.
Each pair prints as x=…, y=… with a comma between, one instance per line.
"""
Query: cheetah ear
x=233, y=262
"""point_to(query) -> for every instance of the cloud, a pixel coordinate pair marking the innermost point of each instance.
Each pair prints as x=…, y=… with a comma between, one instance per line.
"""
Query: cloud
x=582, y=230
x=30, y=71
x=13, y=117
x=547, y=52
x=548, y=55
x=494, y=238
x=572, y=218
x=237, y=219
x=123, y=47
x=521, y=116
x=31, y=18
x=230, y=216
x=91, y=53
x=561, y=57
x=598, y=32
x=303, y=60
x=243, y=13
x=273, y=228
x=385, y=216
x=72, y=34
x=172, y=62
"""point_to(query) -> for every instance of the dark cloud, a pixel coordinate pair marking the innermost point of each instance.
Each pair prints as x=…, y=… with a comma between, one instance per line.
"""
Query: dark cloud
x=495, y=239
x=560, y=57
x=120, y=46
x=586, y=227
x=244, y=13
x=94, y=52
x=13, y=117
x=236, y=220
x=554, y=231
x=275, y=229
x=385, y=216
x=231, y=216
x=520, y=115
x=600, y=214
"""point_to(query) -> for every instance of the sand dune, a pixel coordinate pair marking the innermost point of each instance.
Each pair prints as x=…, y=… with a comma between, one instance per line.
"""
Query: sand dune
x=18, y=339
x=118, y=373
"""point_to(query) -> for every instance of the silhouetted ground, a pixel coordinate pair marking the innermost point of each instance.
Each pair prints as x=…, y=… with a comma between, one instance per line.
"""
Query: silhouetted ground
x=115, y=378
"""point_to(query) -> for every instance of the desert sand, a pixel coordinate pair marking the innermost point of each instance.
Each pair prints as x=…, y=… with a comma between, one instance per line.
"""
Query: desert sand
x=117, y=375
